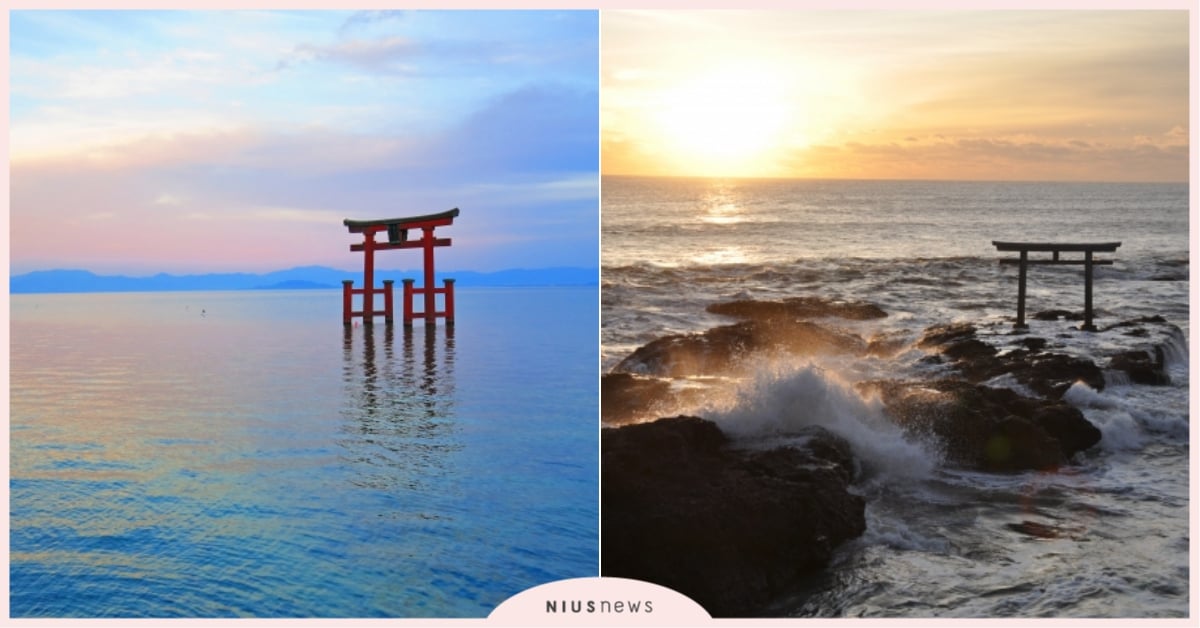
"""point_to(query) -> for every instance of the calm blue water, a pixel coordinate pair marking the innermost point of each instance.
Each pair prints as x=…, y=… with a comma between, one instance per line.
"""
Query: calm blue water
x=241, y=454
x=940, y=541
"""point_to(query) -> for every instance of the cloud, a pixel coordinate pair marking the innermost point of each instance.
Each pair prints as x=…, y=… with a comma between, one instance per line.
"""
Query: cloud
x=277, y=215
x=390, y=55
x=536, y=129
x=506, y=129
x=366, y=19
x=524, y=164
x=986, y=158
x=1176, y=136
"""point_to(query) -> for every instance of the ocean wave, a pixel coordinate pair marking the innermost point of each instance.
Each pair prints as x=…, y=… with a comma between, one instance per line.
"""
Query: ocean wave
x=780, y=401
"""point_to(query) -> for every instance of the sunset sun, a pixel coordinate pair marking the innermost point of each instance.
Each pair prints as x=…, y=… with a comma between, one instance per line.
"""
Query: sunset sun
x=726, y=121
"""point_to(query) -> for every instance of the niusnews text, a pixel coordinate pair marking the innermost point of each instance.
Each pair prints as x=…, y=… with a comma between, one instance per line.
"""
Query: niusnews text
x=599, y=606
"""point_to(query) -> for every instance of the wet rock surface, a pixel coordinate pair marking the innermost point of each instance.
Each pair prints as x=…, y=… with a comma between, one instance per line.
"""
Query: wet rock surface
x=1053, y=315
x=731, y=348
x=988, y=429
x=624, y=397
x=684, y=507
x=1143, y=367
x=979, y=427
x=767, y=327
x=797, y=308
x=730, y=528
x=1045, y=372
x=714, y=351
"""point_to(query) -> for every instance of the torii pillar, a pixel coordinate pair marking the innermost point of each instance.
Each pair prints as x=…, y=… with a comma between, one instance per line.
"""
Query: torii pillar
x=397, y=230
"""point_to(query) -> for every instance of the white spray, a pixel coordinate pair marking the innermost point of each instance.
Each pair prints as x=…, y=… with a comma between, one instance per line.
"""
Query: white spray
x=780, y=401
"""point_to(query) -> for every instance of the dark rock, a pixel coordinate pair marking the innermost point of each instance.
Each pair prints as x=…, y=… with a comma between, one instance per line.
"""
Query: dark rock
x=1046, y=373
x=624, y=397
x=1155, y=319
x=956, y=341
x=730, y=528
x=805, y=338
x=796, y=308
x=887, y=344
x=941, y=335
x=1035, y=529
x=969, y=349
x=1053, y=315
x=989, y=429
x=1051, y=374
x=1033, y=343
x=1017, y=444
x=1066, y=424
x=722, y=350
x=711, y=352
x=1142, y=367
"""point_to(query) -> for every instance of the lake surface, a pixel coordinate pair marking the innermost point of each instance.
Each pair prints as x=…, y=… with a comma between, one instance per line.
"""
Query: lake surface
x=243, y=454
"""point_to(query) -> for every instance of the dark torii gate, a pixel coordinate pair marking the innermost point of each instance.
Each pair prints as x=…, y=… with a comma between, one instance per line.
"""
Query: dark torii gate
x=397, y=232
x=1087, y=248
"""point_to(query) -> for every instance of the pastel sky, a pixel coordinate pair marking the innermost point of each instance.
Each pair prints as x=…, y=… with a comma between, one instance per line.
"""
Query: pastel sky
x=987, y=95
x=181, y=141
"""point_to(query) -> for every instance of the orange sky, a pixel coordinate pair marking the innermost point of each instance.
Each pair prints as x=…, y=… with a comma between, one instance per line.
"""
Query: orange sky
x=995, y=95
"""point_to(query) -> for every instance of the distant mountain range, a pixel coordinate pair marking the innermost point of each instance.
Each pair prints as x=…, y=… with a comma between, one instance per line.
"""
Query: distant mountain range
x=305, y=277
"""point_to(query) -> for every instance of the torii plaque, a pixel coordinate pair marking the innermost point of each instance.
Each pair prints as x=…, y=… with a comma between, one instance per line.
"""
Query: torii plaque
x=397, y=233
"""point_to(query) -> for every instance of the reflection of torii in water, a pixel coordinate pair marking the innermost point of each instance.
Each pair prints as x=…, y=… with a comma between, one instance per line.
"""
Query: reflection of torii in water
x=422, y=387
x=399, y=407
x=397, y=231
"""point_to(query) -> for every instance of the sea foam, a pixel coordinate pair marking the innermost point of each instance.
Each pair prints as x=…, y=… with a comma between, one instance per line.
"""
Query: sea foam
x=780, y=401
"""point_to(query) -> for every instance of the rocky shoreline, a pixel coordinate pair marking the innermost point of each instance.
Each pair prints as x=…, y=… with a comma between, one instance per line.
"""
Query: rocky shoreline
x=730, y=528
x=685, y=506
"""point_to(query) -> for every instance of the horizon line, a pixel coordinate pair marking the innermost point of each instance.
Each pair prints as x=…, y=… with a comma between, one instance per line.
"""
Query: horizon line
x=885, y=179
x=301, y=267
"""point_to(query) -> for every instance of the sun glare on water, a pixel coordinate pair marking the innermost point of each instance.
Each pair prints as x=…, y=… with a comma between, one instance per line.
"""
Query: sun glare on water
x=726, y=122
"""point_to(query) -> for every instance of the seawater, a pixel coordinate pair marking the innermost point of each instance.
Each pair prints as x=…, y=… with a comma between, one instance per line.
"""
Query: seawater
x=941, y=542
x=242, y=454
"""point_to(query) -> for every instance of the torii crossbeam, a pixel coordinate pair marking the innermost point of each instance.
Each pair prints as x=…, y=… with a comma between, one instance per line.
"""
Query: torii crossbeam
x=397, y=233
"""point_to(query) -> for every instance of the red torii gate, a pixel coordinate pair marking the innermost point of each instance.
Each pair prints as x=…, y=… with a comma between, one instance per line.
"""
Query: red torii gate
x=397, y=231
